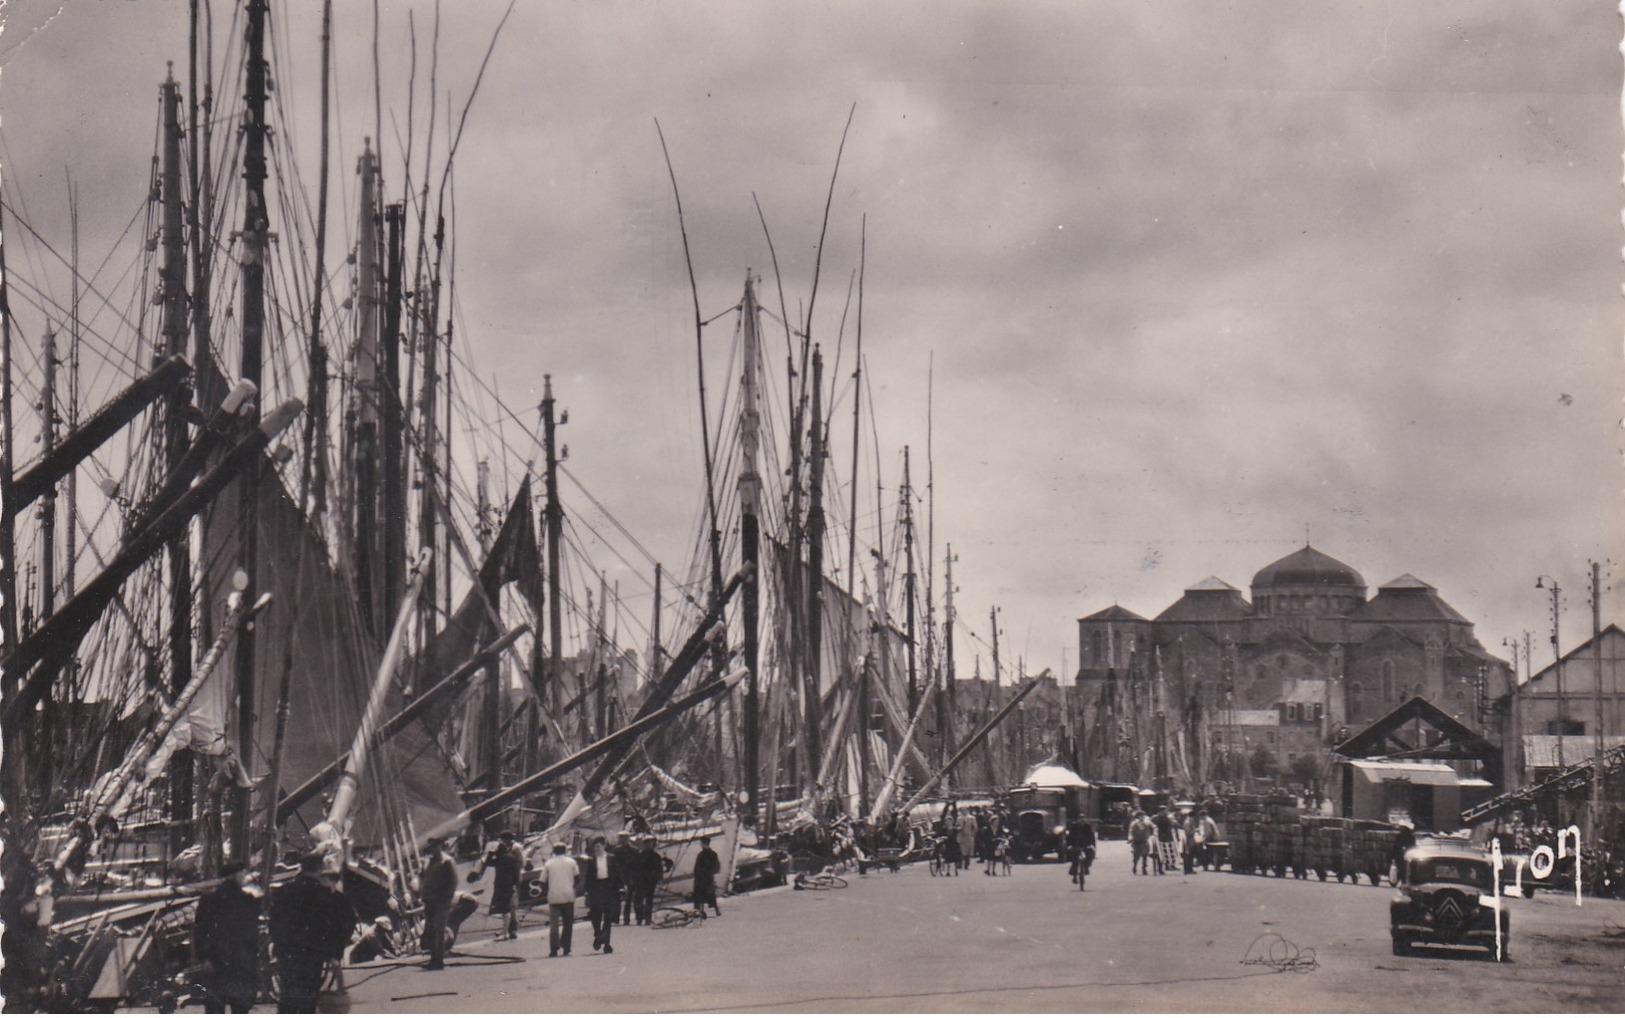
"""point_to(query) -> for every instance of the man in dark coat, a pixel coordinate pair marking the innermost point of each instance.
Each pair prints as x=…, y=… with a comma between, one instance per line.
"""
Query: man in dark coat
x=603, y=882
x=647, y=870
x=439, y=887
x=227, y=939
x=706, y=867
x=505, y=861
x=1080, y=845
x=625, y=854
x=311, y=924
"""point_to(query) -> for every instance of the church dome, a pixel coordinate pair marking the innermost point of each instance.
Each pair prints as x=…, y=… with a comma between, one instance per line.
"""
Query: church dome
x=1307, y=567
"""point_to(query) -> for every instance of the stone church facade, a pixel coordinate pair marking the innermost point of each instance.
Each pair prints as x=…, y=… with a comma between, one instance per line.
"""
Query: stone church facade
x=1309, y=632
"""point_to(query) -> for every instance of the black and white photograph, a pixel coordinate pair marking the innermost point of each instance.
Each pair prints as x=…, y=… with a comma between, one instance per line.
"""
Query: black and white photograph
x=1083, y=506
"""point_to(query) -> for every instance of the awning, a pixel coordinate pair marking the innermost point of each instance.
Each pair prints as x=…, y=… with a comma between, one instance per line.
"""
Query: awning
x=1415, y=773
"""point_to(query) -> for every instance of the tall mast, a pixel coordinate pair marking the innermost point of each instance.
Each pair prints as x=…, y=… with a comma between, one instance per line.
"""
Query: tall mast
x=175, y=332
x=908, y=585
x=492, y=704
x=47, y=509
x=70, y=554
x=811, y=736
x=949, y=733
x=256, y=235
x=394, y=426
x=361, y=485
x=750, y=496
x=554, y=515
x=200, y=212
x=859, y=683
x=8, y=529
x=313, y=477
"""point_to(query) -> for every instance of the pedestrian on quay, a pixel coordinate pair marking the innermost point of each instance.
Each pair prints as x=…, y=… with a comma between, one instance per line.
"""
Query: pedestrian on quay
x=1140, y=833
x=1189, y=831
x=953, y=858
x=311, y=924
x=603, y=880
x=438, y=882
x=560, y=873
x=377, y=940
x=1167, y=840
x=648, y=867
x=706, y=867
x=506, y=861
x=625, y=854
x=1207, y=832
x=226, y=939
x=967, y=839
x=984, y=839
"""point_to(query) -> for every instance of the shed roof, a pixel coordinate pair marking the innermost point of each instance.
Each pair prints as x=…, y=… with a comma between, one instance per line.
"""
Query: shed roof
x=1415, y=773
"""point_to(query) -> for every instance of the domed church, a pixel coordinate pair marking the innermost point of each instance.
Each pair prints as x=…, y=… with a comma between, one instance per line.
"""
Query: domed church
x=1309, y=643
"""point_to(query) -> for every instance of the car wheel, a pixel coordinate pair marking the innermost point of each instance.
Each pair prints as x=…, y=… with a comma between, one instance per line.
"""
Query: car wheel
x=1529, y=891
x=1402, y=946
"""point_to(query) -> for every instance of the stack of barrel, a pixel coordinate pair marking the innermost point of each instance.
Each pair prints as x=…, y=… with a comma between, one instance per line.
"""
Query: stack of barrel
x=1271, y=834
x=1244, y=820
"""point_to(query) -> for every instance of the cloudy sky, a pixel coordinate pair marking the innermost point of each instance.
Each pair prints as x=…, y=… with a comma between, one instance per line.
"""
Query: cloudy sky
x=1193, y=281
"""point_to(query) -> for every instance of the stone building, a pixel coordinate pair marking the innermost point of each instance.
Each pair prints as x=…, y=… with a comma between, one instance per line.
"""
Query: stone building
x=1309, y=630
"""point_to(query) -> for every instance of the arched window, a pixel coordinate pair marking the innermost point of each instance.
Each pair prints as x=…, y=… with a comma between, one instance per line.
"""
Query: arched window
x=1387, y=681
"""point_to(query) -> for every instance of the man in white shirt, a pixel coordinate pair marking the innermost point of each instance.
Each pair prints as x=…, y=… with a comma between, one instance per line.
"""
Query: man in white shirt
x=561, y=874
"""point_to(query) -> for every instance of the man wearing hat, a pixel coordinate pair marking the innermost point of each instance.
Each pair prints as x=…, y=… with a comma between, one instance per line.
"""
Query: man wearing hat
x=506, y=860
x=226, y=939
x=311, y=924
x=625, y=854
x=644, y=877
x=561, y=874
x=439, y=884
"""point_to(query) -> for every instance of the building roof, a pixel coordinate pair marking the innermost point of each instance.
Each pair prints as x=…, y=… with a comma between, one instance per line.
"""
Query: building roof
x=1408, y=599
x=1222, y=603
x=1307, y=567
x=1116, y=613
x=1581, y=653
x=1212, y=583
x=1415, y=773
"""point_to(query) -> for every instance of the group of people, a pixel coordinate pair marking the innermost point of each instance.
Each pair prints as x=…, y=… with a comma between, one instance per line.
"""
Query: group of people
x=312, y=921
x=1159, y=842
x=975, y=835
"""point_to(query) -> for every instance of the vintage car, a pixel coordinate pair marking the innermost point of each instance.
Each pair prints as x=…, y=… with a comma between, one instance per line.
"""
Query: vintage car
x=1447, y=897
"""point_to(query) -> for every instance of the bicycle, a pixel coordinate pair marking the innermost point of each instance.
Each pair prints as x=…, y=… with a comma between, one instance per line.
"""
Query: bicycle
x=818, y=882
x=672, y=917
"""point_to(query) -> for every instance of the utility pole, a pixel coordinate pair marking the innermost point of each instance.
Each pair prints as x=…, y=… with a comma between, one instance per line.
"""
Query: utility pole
x=1598, y=823
x=1557, y=655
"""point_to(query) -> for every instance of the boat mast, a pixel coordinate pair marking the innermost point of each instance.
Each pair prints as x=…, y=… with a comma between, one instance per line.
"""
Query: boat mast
x=368, y=397
x=949, y=732
x=750, y=498
x=313, y=474
x=176, y=327
x=394, y=427
x=8, y=528
x=256, y=235
x=907, y=499
x=815, y=582
x=858, y=683
x=553, y=513
x=47, y=509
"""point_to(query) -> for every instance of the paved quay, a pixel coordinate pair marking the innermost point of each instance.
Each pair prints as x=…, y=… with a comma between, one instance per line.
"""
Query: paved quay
x=1028, y=942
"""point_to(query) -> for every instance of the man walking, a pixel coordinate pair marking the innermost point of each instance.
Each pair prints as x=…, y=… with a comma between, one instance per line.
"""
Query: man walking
x=439, y=884
x=310, y=924
x=226, y=939
x=561, y=874
x=706, y=867
x=604, y=879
